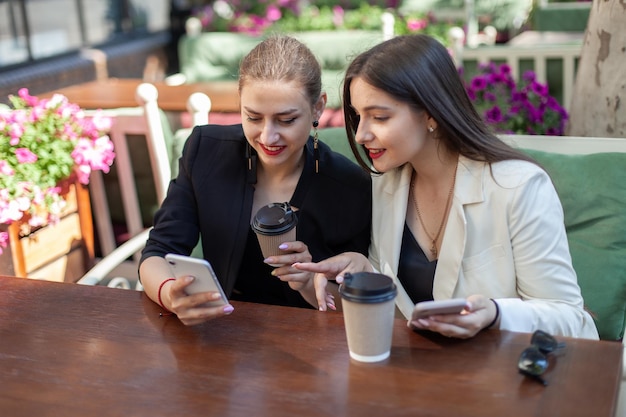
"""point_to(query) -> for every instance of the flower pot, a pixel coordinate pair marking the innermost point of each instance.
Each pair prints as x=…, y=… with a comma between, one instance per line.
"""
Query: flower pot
x=59, y=252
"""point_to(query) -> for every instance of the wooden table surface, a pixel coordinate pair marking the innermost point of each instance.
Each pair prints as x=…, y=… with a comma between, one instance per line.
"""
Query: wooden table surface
x=73, y=350
x=120, y=92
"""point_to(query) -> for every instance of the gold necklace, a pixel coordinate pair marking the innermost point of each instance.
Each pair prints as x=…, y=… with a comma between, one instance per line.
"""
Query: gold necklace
x=433, y=247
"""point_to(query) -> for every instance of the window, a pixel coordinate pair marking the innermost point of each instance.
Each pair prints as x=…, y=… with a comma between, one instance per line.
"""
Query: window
x=34, y=29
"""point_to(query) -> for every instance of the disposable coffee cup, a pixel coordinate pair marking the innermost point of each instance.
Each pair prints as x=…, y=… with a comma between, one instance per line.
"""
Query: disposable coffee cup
x=368, y=312
x=273, y=225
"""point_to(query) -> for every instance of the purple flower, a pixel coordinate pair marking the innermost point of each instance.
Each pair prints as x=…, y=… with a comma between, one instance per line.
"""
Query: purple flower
x=529, y=76
x=539, y=89
x=488, y=96
x=493, y=115
x=479, y=83
x=512, y=107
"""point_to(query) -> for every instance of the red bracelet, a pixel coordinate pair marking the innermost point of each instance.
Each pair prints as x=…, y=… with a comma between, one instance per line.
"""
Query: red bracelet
x=167, y=312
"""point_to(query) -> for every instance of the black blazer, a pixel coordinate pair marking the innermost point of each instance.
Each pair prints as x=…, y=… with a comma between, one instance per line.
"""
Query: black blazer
x=212, y=198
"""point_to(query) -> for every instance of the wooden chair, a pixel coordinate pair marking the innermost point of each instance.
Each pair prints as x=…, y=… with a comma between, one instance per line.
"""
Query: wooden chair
x=116, y=262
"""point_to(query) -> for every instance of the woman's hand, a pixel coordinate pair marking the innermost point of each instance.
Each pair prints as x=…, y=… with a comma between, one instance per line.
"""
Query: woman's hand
x=189, y=308
x=333, y=268
x=298, y=280
x=294, y=252
x=480, y=314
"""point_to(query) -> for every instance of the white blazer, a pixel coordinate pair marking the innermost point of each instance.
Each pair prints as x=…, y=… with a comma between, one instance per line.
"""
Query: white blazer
x=505, y=239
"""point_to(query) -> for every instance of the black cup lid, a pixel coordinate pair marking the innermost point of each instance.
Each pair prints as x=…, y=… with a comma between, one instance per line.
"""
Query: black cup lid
x=367, y=287
x=275, y=218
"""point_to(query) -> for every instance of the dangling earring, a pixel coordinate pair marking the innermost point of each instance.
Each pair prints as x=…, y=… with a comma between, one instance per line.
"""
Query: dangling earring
x=249, y=156
x=316, y=151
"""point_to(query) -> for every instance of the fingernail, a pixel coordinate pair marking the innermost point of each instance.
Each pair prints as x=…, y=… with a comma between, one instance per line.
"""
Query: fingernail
x=189, y=278
x=283, y=246
x=339, y=279
x=267, y=260
x=228, y=309
x=332, y=307
x=216, y=296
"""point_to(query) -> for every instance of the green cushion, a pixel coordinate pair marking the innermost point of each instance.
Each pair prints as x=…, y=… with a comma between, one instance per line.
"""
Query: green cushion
x=337, y=140
x=216, y=56
x=592, y=189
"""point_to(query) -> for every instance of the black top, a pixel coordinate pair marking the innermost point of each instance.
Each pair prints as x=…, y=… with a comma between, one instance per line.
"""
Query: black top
x=415, y=272
x=213, y=193
x=256, y=284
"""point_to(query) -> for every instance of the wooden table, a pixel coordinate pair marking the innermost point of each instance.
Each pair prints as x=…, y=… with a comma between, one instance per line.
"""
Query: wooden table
x=74, y=350
x=120, y=92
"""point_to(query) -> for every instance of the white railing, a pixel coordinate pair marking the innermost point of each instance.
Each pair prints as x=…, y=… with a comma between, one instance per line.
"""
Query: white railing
x=513, y=55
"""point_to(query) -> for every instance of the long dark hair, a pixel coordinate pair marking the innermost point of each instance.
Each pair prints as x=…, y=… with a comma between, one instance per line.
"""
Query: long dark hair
x=418, y=70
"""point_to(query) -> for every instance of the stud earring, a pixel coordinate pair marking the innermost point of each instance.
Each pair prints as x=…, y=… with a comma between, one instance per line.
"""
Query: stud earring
x=431, y=129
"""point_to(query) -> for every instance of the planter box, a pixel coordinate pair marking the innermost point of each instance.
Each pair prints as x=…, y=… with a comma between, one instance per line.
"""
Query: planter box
x=62, y=252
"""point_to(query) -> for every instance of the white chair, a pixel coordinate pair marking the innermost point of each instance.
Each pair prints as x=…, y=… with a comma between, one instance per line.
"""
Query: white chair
x=117, y=261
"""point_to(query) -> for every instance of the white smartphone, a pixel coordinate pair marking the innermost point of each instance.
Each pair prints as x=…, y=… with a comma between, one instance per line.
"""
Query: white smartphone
x=431, y=308
x=206, y=280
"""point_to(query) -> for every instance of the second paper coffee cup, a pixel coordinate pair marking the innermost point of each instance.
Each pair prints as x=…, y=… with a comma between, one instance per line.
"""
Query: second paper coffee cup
x=368, y=301
x=273, y=225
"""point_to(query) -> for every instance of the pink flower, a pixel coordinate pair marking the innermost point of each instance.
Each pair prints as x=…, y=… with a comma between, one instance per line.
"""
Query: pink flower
x=4, y=241
x=338, y=14
x=25, y=156
x=46, y=141
x=99, y=122
x=35, y=220
x=24, y=95
x=273, y=13
x=15, y=131
x=5, y=168
x=89, y=155
x=415, y=25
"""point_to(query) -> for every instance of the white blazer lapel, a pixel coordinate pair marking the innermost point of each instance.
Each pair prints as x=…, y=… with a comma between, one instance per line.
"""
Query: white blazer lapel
x=467, y=190
x=389, y=217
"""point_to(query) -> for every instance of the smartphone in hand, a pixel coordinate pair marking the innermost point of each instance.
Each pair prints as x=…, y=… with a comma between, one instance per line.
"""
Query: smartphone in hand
x=431, y=308
x=205, y=278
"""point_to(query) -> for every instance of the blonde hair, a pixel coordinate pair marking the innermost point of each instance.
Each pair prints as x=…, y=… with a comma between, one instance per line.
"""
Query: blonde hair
x=283, y=58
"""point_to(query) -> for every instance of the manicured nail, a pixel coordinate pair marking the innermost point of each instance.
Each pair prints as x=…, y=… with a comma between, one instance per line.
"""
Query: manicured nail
x=189, y=278
x=283, y=246
x=339, y=279
x=216, y=296
x=228, y=309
